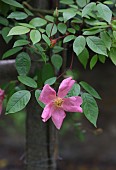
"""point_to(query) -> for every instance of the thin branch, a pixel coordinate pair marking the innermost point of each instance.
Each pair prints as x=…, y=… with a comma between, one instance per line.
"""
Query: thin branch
x=72, y=59
x=42, y=11
x=57, y=3
x=62, y=74
x=70, y=68
x=61, y=37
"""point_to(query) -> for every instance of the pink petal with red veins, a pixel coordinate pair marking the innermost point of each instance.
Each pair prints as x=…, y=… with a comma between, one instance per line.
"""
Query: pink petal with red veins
x=65, y=87
x=46, y=114
x=1, y=92
x=1, y=95
x=58, y=116
x=72, y=104
x=47, y=95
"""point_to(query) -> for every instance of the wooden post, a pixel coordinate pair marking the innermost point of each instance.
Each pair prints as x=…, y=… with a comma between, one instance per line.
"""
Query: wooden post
x=42, y=4
x=7, y=71
x=41, y=143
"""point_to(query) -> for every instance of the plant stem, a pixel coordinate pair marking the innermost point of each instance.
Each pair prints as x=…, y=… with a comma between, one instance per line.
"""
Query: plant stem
x=42, y=11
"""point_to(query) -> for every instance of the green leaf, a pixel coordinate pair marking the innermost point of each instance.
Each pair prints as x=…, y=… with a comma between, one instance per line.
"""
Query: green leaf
x=90, y=108
x=13, y=3
x=51, y=29
x=74, y=6
x=108, y=2
x=75, y=90
x=4, y=33
x=47, y=72
x=18, y=15
x=49, y=18
x=19, y=43
x=113, y=25
x=92, y=32
x=50, y=81
x=57, y=49
x=35, y=36
x=62, y=28
x=68, y=14
x=67, y=2
x=68, y=38
x=90, y=89
x=114, y=35
x=41, y=52
x=88, y=8
x=60, y=18
x=46, y=39
x=28, y=81
x=11, y=87
x=93, y=61
x=71, y=30
x=106, y=39
x=11, y=52
x=56, y=60
x=83, y=57
x=18, y=101
x=82, y=3
x=37, y=94
x=76, y=25
x=42, y=30
x=4, y=21
x=18, y=30
x=113, y=55
x=27, y=25
x=104, y=12
x=97, y=45
x=29, y=13
x=23, y=63
x=79, y=44
x=97, y=27
x=94, y=22
x=38, y=22
x=102, y=58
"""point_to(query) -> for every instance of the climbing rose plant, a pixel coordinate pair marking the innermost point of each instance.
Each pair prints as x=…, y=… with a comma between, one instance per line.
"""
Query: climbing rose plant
x=81, y=30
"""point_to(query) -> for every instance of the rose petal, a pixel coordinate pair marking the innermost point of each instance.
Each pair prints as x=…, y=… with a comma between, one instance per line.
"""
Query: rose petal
x=65, y=87
x=1, y=93
x=58, y=116
x=72, y=104
x=47, y=94
x=46, y=114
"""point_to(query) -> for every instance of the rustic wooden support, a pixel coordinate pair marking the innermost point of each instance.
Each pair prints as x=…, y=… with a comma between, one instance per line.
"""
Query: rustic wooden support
x=41, y=140
x=7, y=71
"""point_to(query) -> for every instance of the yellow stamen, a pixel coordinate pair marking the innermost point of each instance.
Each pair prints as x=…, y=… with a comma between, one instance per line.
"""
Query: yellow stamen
x=58, y=102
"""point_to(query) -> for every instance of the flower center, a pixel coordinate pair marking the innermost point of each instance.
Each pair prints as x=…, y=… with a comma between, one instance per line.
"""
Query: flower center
x=58, y=102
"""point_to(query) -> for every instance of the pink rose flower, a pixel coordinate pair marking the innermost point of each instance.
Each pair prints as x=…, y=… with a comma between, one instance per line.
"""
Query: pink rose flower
x=1, y=99
x=56, y=105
